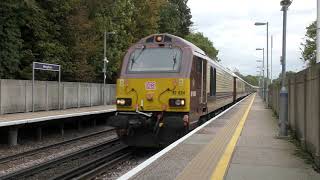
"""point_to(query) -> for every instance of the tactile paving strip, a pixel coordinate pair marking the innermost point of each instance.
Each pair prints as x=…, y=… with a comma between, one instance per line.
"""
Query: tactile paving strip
x=202, y=166
x=177, y=160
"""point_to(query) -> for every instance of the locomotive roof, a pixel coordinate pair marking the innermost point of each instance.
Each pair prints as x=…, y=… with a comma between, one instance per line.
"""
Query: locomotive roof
x=196, y=51
x=177, y=40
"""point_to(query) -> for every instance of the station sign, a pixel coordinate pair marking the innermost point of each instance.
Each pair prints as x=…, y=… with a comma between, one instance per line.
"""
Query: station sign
x=46, y=66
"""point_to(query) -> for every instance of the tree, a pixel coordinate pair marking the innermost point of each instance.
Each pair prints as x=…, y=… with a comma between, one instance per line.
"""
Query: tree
x=10, y=35
x=175, y=18
x=253, y=80
x=70, y=33
x=309, y=45
x=146, y=15
x=203, y=43
x=184, y=17
x=278, y=80
x=169, y=19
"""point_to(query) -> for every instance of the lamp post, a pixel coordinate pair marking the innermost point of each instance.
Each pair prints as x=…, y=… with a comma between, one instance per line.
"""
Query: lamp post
x=260, y=71
x=260, y=83
x=105, y=61
x=263, y=83
x=283, y=108
x=318, y=32
x=266, y=95
x=271, y=52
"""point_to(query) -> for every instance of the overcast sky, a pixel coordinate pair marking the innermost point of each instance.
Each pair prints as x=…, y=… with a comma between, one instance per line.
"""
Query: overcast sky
x=229, y=24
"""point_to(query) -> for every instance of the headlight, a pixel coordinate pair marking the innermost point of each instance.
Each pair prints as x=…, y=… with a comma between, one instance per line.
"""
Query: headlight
x=182, y=102
x=177, y=102
x=124, y=101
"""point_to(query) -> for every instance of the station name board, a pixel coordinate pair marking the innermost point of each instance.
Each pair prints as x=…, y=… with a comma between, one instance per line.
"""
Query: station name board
x=46, y=66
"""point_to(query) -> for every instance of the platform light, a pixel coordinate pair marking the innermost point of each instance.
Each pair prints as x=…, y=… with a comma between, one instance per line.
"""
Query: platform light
x=266, y=98
x=283, y=100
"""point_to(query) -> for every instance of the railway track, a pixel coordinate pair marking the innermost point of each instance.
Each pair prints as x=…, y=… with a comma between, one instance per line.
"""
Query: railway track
x=52, y=146
x=96, y=167
x=82, y=164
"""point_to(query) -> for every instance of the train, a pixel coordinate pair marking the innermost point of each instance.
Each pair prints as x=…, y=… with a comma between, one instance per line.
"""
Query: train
x=168, y=86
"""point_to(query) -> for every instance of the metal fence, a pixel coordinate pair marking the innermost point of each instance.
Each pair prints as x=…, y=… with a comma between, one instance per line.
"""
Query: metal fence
x=16, y=95
x=304, y=108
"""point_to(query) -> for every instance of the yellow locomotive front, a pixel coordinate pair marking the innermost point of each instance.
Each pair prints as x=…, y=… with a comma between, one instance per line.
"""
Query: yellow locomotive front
x=153, y=92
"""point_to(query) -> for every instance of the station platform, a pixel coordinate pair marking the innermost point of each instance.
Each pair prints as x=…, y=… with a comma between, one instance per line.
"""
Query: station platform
x=33, y=117
x=238, y=144
x=12, y=122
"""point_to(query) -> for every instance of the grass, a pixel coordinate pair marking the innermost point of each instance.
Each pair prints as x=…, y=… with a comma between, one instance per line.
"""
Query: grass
x=302, y=152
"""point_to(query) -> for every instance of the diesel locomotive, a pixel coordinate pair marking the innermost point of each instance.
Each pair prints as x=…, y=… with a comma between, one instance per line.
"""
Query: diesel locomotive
x=166, y=87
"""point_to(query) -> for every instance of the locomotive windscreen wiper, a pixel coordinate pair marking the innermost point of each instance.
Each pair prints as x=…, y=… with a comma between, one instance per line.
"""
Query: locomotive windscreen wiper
x=133, y=60
x=174, y=60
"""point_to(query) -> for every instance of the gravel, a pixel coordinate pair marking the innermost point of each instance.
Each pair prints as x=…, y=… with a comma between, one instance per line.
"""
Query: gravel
x=120, y=169
x=53, y=138
x=139, y=156
x=51, y=153
x=71, y=163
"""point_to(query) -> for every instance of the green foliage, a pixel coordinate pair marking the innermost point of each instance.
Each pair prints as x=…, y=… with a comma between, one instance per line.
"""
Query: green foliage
x=278, y=80
x=253, y=80
x=184, y=22
x=146, y=16
x=10, y=35
x=70, y=33
x=203, y=43
x=175, y=18
x=308, y=50
x=169, y=19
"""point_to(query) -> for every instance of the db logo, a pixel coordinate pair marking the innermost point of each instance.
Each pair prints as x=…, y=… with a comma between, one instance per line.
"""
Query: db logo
x=150, y=85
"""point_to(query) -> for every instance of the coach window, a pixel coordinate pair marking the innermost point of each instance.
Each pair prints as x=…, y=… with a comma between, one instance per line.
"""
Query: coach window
x=212, y=81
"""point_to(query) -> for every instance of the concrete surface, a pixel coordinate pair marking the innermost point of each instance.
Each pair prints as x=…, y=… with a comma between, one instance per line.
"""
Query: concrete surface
x=24, y=118
x=196, y=157
x=16, y=95
x=304, y=107
x=260, y=155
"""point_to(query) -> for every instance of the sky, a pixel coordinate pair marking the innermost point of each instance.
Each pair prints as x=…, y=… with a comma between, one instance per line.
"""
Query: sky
x=229, y=24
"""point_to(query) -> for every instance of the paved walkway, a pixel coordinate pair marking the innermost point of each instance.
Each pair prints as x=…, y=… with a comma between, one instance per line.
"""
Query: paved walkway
x=23, y=118
x=259, y=155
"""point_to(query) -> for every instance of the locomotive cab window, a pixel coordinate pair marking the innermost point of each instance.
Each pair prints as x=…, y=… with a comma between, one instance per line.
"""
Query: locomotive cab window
x=155, y=60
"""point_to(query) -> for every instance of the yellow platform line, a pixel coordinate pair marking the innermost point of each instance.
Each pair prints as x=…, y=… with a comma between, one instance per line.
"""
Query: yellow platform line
x=221, y=168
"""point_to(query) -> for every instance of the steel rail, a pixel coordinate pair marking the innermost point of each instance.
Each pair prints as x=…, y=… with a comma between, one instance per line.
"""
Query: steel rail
x=37, y=150
x=22, y=174
x=96, y=166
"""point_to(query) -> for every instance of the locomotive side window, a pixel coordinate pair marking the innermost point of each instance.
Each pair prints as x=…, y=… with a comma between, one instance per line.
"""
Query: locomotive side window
x=212, y=81
x=199, y=65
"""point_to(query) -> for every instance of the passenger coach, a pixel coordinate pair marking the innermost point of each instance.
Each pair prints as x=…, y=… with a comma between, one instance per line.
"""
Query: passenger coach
x=168, y=86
